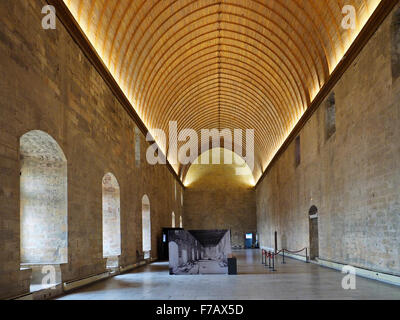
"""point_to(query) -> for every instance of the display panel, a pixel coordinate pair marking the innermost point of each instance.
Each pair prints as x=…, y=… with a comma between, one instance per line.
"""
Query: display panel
x=199, y=251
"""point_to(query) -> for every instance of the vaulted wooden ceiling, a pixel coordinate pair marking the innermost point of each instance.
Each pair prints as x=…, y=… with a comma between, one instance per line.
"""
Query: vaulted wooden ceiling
x=236, y=64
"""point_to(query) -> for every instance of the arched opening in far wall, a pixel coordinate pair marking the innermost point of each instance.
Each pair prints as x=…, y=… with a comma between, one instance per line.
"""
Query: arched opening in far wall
x=43, y=206
x=111, y=220
x=146, y=227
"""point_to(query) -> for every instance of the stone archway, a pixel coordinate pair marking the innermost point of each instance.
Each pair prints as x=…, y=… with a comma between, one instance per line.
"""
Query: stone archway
x=111, y=220
x=43, y=200
x=43, y=208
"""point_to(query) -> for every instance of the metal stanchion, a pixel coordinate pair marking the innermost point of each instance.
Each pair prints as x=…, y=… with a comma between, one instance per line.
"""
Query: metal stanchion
x=265, y=258
x=283, y=256
x=307, y=261
x=269, y=260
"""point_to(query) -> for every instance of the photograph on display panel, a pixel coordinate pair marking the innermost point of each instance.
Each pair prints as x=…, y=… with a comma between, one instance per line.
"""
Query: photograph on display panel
x=199, y=251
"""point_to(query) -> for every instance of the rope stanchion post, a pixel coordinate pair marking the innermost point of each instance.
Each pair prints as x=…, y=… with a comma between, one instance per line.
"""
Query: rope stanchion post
x=283, y=256
x=269, y=260
x=265, y=258
x=307, y=260
x=273, y=262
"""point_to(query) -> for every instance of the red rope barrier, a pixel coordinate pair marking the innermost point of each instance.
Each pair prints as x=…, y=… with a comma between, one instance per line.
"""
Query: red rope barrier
x=270, y=253
x=278, y=252
x=294, y=251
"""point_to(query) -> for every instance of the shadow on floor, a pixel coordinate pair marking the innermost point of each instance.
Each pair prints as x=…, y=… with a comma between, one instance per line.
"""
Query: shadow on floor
x=159, y=266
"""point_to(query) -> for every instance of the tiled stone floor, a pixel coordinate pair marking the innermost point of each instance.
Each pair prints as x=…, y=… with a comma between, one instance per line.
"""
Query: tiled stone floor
x=294, y=280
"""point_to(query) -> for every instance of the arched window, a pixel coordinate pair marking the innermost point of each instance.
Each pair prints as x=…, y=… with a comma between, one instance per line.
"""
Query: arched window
x=146, y=226
x=43, y=206
x=111, y=220
x=396, y=44
x=43, y=199
x=180, y=222
x=173, y=220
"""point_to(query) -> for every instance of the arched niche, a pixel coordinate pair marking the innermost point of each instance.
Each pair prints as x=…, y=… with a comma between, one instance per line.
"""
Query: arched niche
x=111, y=220
x=43, y=200
x=146, y=226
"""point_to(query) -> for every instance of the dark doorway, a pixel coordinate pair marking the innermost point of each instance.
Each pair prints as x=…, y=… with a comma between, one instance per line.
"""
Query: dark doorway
x=314, y=241
x=163, y=246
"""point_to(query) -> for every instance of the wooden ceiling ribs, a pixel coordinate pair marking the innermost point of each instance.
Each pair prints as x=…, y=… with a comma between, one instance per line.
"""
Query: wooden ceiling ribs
x=257, y=64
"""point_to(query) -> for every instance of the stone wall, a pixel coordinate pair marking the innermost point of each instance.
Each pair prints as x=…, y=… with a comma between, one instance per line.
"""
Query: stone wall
x=48, y=84
x=352, y=177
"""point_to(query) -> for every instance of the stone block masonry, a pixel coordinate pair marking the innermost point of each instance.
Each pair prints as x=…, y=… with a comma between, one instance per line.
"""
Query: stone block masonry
x=352, y=177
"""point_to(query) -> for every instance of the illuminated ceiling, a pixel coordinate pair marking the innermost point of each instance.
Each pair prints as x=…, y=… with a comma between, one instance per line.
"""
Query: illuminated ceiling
x=233, y=64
